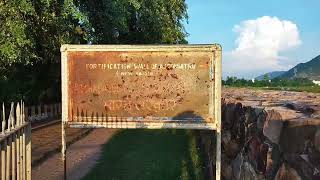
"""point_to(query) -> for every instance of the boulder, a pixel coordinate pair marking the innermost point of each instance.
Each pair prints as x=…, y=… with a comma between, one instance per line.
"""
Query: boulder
x=232, y=148
x=301, y=131
x=226, y=168
x=273, y=126
x=261, y=118
x=235, y=164
x=285, y=172
x=248, y=173
x=225, y=137
x=317, y=140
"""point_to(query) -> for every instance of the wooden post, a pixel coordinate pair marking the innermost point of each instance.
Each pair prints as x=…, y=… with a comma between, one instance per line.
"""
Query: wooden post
x=3, y=159
x=51, y=110
x=39, y=110
x=28, y=152
x=8, y=159
x=25, y=112
x=17, y=134
x=9, y=142
x=33, y=111
x=22, y=120
x=3, y=120
x=3, y=144
x=13, y=156
x=45, y=109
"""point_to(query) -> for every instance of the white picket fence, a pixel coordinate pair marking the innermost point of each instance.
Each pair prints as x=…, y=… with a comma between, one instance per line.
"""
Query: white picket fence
x=43, y=112
x=15, y=144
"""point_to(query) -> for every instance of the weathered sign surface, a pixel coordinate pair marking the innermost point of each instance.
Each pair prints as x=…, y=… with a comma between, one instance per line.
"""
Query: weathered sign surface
x=175, y=86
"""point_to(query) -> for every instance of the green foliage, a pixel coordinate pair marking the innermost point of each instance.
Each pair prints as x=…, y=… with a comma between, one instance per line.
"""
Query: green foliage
x=14, y=42
x=30, y=38
x=136, y=21
x=298, y=84
x=32, y=33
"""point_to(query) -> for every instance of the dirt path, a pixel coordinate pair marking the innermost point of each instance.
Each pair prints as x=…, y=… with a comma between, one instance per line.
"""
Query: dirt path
x=82, y=156
x=47, y=140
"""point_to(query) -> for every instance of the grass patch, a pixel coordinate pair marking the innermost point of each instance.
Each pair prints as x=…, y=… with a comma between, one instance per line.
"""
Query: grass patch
x=149, y=154
x=314, y=89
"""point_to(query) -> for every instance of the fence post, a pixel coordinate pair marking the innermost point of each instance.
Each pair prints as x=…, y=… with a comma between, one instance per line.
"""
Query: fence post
x=15, y=146
x=60, y=108
x=33, y=112
x=3, y=119
x=54, y=110
x=39, y=111
x=57, y=109
x=3, y=159
x=9, y=142
x=26, y=112
x=28, y=152
x=45, y=110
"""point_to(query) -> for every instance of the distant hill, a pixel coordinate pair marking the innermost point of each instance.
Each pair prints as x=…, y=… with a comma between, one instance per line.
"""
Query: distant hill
x=271, y=75
x=309, y=70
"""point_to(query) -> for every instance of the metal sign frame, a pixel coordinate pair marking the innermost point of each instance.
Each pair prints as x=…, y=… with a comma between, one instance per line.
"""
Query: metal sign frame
x=214, y=105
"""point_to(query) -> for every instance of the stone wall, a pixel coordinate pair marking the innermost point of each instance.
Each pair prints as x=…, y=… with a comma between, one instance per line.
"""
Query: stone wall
x=263, y=144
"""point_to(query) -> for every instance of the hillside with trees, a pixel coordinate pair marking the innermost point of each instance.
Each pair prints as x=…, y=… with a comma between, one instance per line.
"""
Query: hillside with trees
x=309, y=70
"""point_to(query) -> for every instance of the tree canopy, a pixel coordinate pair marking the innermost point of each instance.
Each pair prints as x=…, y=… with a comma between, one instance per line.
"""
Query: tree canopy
x=32, y=32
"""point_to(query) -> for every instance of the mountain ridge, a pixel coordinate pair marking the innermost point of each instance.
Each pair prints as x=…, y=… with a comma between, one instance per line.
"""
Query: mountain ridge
x=309, y=70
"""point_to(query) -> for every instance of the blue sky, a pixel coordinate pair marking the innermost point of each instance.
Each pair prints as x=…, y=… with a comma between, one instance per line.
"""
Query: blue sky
x=257, y=36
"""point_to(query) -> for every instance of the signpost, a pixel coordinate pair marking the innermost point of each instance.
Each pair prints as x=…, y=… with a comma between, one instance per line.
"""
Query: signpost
x=135, y=86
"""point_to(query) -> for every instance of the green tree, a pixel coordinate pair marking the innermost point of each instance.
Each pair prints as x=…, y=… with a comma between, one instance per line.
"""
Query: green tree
x=30, y=38
x=32, y=32
x=136, y=21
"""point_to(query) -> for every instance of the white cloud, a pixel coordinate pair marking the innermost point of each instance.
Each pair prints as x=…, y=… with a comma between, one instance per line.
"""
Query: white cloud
x=259, y=44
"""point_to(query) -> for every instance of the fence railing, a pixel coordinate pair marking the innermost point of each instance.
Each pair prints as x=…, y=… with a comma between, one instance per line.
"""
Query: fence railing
x=42, y=112
x=15, y=144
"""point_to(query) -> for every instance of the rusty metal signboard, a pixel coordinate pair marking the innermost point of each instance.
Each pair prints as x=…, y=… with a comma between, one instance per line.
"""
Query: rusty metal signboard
x=121, y=86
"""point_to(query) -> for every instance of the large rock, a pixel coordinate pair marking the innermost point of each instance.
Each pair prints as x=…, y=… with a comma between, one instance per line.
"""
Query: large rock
x=296, y=135
x=317, y=140
x=261, y=117
x=226, y=168
x=248, y=173
x=273, y=126
x=232, y=149
x=303, y=166
x=225, y=137
x=285, y=172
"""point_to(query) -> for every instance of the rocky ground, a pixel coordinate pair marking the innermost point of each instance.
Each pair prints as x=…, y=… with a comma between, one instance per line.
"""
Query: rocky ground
x=294, y=104
x=270, y=134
